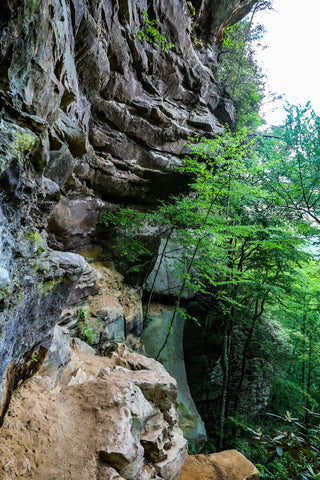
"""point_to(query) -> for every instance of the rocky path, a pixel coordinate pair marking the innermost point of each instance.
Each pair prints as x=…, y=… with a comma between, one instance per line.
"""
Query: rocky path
x=111, y=418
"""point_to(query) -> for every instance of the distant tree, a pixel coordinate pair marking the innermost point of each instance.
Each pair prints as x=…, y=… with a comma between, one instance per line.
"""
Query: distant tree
x=298, y=309
x=290, y=164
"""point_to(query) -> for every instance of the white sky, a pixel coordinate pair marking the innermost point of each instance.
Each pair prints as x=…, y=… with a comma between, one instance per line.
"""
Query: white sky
x=292, y=61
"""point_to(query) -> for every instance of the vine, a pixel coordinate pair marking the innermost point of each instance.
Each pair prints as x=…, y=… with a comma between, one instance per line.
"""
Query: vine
x=152, y=35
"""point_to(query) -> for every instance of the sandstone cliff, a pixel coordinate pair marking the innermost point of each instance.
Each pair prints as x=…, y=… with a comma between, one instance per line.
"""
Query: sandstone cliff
x=91, y=116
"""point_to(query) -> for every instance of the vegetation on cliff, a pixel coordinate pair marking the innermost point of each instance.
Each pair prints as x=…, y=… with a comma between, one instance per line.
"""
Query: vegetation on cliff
x=96, y=118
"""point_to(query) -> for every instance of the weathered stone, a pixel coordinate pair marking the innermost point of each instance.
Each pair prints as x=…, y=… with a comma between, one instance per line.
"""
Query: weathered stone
x=59, y=354
x=230, y=464
x=107, y=308
x=51, y=188
x=113, y=310
x=115, y=331
x=153, y=438
x=73, y=222
x=109, y=473
x=88, y=284
x=60, y=166
x=54, y=274
x=172, y=357
x=171, y=466
x=214, y=17
x=95, y=421
x=70, y=132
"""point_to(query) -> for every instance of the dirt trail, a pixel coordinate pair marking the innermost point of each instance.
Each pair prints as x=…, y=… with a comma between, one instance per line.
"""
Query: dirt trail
x=49, y=431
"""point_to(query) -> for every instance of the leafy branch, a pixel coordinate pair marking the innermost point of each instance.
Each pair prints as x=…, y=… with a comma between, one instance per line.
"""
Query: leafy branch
x=152, y=35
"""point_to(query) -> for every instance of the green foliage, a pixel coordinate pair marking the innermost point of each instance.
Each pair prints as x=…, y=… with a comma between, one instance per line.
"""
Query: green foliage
x=298, y=444
x=290, y=164
x=152, y=35
x=222, y=230
x=34, y=357
x=88, y=332
x=299, y=313
x=205, y=448
x=24, y=142
x=130, y=223
x=39, y=244
x=245, y=248
x=88, y=328
x=239, y=72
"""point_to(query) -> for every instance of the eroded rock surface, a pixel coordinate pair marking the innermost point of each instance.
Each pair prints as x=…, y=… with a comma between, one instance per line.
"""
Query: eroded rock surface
x=102, y=421
x=227, y=465
x=90, y=116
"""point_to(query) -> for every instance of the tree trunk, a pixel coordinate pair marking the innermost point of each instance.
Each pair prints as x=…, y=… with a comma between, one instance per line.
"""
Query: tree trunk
x=226, y=374
x=257, y=314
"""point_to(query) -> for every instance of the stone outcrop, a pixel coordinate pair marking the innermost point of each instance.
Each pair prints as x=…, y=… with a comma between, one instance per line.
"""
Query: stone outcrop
x=103, y=309
x=90, y=116
x=214, y=16
x=109, y=418
x=227, y=465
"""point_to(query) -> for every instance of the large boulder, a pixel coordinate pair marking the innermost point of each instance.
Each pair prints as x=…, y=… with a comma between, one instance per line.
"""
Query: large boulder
x=226, y=465
x=102, y=421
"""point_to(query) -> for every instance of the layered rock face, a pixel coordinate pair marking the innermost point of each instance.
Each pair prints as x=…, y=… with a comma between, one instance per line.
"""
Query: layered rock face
x=90, y=115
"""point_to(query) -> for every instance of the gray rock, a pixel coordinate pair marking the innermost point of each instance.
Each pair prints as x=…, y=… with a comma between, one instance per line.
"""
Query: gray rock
x=69, y=131
x=88, y=284
x=166, y=277
x=4, y=278
x=115, y=331
x=73, y=222
x=54, y=274
x=60, y=166
x=172, y=358
x=59, y=354
x=51, y=188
